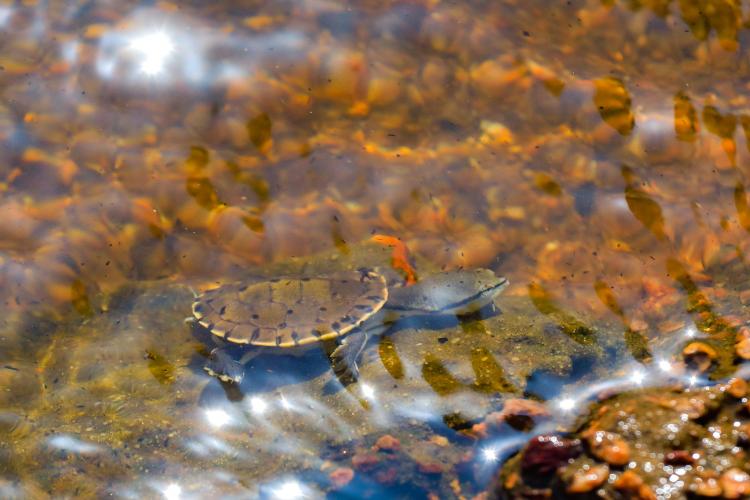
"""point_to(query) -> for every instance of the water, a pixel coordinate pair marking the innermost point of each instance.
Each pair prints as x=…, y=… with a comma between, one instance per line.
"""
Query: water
x=593, y=152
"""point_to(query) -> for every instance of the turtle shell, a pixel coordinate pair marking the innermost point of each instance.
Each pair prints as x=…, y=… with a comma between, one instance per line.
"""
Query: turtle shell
x=288, y=312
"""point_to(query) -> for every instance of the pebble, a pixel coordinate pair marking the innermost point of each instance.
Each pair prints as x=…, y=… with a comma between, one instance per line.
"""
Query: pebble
x=546, y=453
x=638, y=325
x=363, y=461
x=387, y=476
x=706, y=487
x=694, y=407
x=494, y=78
x=479, y=430
x=699, y=356
x=743, y=434
x=515, y=411
x=742, y=348
x=633, y=484
x=735, y=483
x=586, y=480
x=609, y=447
x=441, y=441
x=737, y=388
x=525, y=407
x=341, y=477
x=679, y=457
x=388, y=443
x=428, y=467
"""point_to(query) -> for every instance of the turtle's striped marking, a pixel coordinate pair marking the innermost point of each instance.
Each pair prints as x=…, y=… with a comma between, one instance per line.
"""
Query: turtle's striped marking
x=290, y=312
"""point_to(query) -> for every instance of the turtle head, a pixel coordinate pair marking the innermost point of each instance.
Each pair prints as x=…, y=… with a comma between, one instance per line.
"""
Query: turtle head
x=452, y=292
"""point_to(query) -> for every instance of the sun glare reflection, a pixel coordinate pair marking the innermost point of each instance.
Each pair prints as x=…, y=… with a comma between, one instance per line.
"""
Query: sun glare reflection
x=154, y=51
x=368, y=391
x=288, y=490
x=285, y=403
x=217, y=417
x=172, y=491
x=489, y=454
x=664, y=365
x=690, y=332
x=637, y=377
x=566, y=404
x=258, y=406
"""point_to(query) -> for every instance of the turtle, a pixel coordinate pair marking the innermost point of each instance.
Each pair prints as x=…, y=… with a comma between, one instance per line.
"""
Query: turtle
x=292, y=314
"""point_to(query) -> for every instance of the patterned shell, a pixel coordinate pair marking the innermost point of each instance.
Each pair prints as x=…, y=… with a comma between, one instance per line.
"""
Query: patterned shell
x=288, y=312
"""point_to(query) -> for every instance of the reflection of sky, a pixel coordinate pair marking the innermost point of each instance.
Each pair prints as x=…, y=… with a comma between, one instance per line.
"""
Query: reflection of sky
x=631, y=375
x=72, y=444
x=5, y=13
x=173, y=491
x=179, y=49
x=288, y=489
x=217, y=417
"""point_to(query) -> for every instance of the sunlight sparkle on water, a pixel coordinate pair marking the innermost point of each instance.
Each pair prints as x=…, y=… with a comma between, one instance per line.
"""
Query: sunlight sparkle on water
x=172, y=491
x=289, y=490
x=154, y=50
x=489, y=454
x=285, y=403
x=637, y=377
x=566, y=404
x=217, y=417
x=665, y=365
x=258, y=406
x=368, y=391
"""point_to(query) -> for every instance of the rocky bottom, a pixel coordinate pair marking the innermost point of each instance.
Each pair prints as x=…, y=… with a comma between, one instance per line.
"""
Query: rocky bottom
x=663, y=442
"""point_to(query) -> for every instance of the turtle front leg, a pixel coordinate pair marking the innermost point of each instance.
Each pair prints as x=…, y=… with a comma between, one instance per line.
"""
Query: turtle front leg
x=344, y=357
x=222, y=365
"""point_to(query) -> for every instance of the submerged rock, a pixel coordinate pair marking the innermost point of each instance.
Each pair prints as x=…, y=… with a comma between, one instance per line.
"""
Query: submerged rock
x=650, y=443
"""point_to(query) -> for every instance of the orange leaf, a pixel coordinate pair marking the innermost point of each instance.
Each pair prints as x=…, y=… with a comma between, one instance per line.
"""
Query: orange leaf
x=399, y=256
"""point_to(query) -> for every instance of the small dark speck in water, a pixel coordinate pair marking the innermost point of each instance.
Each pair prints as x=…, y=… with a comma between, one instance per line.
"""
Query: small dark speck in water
x=12, y=368
x=443, y=340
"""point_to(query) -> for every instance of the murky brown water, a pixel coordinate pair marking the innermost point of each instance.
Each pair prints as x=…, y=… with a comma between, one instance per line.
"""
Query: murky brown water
x=594, y=152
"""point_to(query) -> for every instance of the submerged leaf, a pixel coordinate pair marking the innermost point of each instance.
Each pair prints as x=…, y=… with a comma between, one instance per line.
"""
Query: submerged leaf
x=79, y=297
x=389, y=358
x=740, y=204
x=160, y=367
x=718, y=124
x=490, y=376
x=614, y=104
x=259, y=130
x=686, y=125
x=438, y=377
x=642, y=206
x=202, y=190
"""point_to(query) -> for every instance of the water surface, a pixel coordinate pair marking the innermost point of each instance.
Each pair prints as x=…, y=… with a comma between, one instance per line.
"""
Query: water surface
x=594, y=152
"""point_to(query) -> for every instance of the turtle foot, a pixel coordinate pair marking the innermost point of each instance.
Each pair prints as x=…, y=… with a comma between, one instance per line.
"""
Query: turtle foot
x=344, y=361
x=224, y=367
x=347, y=374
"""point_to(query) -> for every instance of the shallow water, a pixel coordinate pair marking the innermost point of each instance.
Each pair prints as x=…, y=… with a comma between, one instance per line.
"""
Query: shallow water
x=594, y=152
